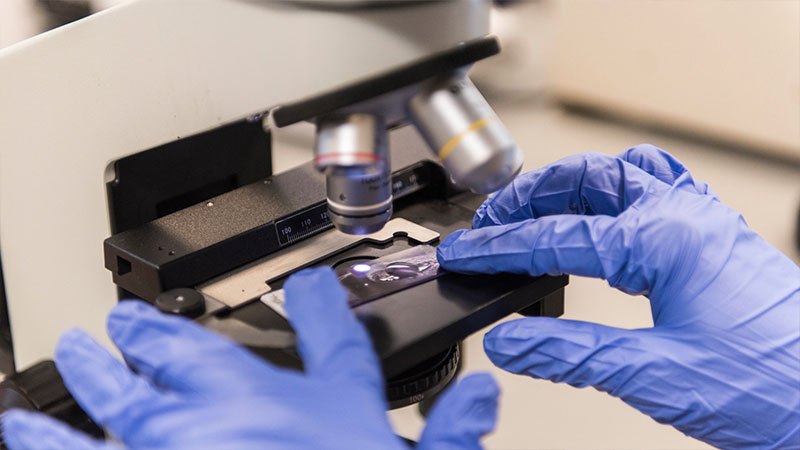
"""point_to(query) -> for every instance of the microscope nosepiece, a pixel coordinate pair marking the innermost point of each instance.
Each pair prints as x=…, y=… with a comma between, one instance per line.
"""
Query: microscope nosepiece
x=463, y=130
x=353, y=154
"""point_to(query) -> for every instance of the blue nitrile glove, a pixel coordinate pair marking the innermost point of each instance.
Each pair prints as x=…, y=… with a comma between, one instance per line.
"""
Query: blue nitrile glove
x=721, y=364
x=195, y=389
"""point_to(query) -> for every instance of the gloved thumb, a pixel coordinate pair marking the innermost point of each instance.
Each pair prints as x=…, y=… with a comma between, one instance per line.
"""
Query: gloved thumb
x=462, y=415
x=578, y=353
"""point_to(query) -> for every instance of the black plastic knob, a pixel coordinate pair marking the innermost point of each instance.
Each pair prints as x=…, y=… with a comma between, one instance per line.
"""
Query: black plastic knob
x=183, y=301
x=425, y=380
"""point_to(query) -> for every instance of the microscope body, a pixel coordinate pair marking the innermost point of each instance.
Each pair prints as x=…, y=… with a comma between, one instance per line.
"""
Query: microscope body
x=151, y=123
x=75, y=100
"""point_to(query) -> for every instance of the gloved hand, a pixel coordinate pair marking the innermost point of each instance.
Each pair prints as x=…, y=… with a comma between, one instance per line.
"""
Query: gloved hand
x=721, y=364
x=195, y=389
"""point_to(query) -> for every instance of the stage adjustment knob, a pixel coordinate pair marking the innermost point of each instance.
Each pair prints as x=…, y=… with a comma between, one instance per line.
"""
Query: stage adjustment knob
x=183, y=301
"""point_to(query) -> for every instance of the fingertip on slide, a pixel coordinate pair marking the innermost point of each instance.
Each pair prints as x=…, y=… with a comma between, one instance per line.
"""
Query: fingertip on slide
x=470, y=251
x=447, y=250
x=315, y=288
x=331, y=341
x=307, y=278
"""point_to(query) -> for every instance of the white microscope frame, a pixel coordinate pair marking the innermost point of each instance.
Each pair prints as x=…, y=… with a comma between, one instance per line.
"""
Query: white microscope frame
x=75, y=99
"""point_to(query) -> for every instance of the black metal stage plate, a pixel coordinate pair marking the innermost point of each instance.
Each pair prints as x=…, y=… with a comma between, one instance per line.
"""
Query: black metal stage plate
x=412, y=325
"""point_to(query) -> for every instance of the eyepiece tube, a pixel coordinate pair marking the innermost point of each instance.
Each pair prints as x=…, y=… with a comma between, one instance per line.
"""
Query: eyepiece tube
x=463, y=130
x=353, y=154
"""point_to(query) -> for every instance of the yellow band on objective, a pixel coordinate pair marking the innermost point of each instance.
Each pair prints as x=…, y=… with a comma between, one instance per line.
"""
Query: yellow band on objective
x=455, y=140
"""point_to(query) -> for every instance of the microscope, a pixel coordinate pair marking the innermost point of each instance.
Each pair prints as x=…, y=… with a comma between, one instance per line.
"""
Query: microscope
x=137, y=141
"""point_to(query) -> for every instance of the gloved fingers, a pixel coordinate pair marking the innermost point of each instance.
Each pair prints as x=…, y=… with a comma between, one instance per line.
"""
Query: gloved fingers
x=665, y=167
x=592, y=246
x=462, y=415
x=181, y=355
x=565, y=351
x=28, y=430
x=104, y=387
x=333, y=344
x=674, y=375
x=589, y=183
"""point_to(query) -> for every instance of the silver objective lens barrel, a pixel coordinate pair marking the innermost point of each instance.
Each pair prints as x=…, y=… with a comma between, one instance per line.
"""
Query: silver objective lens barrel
x=353, y=154
x=463, y=130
